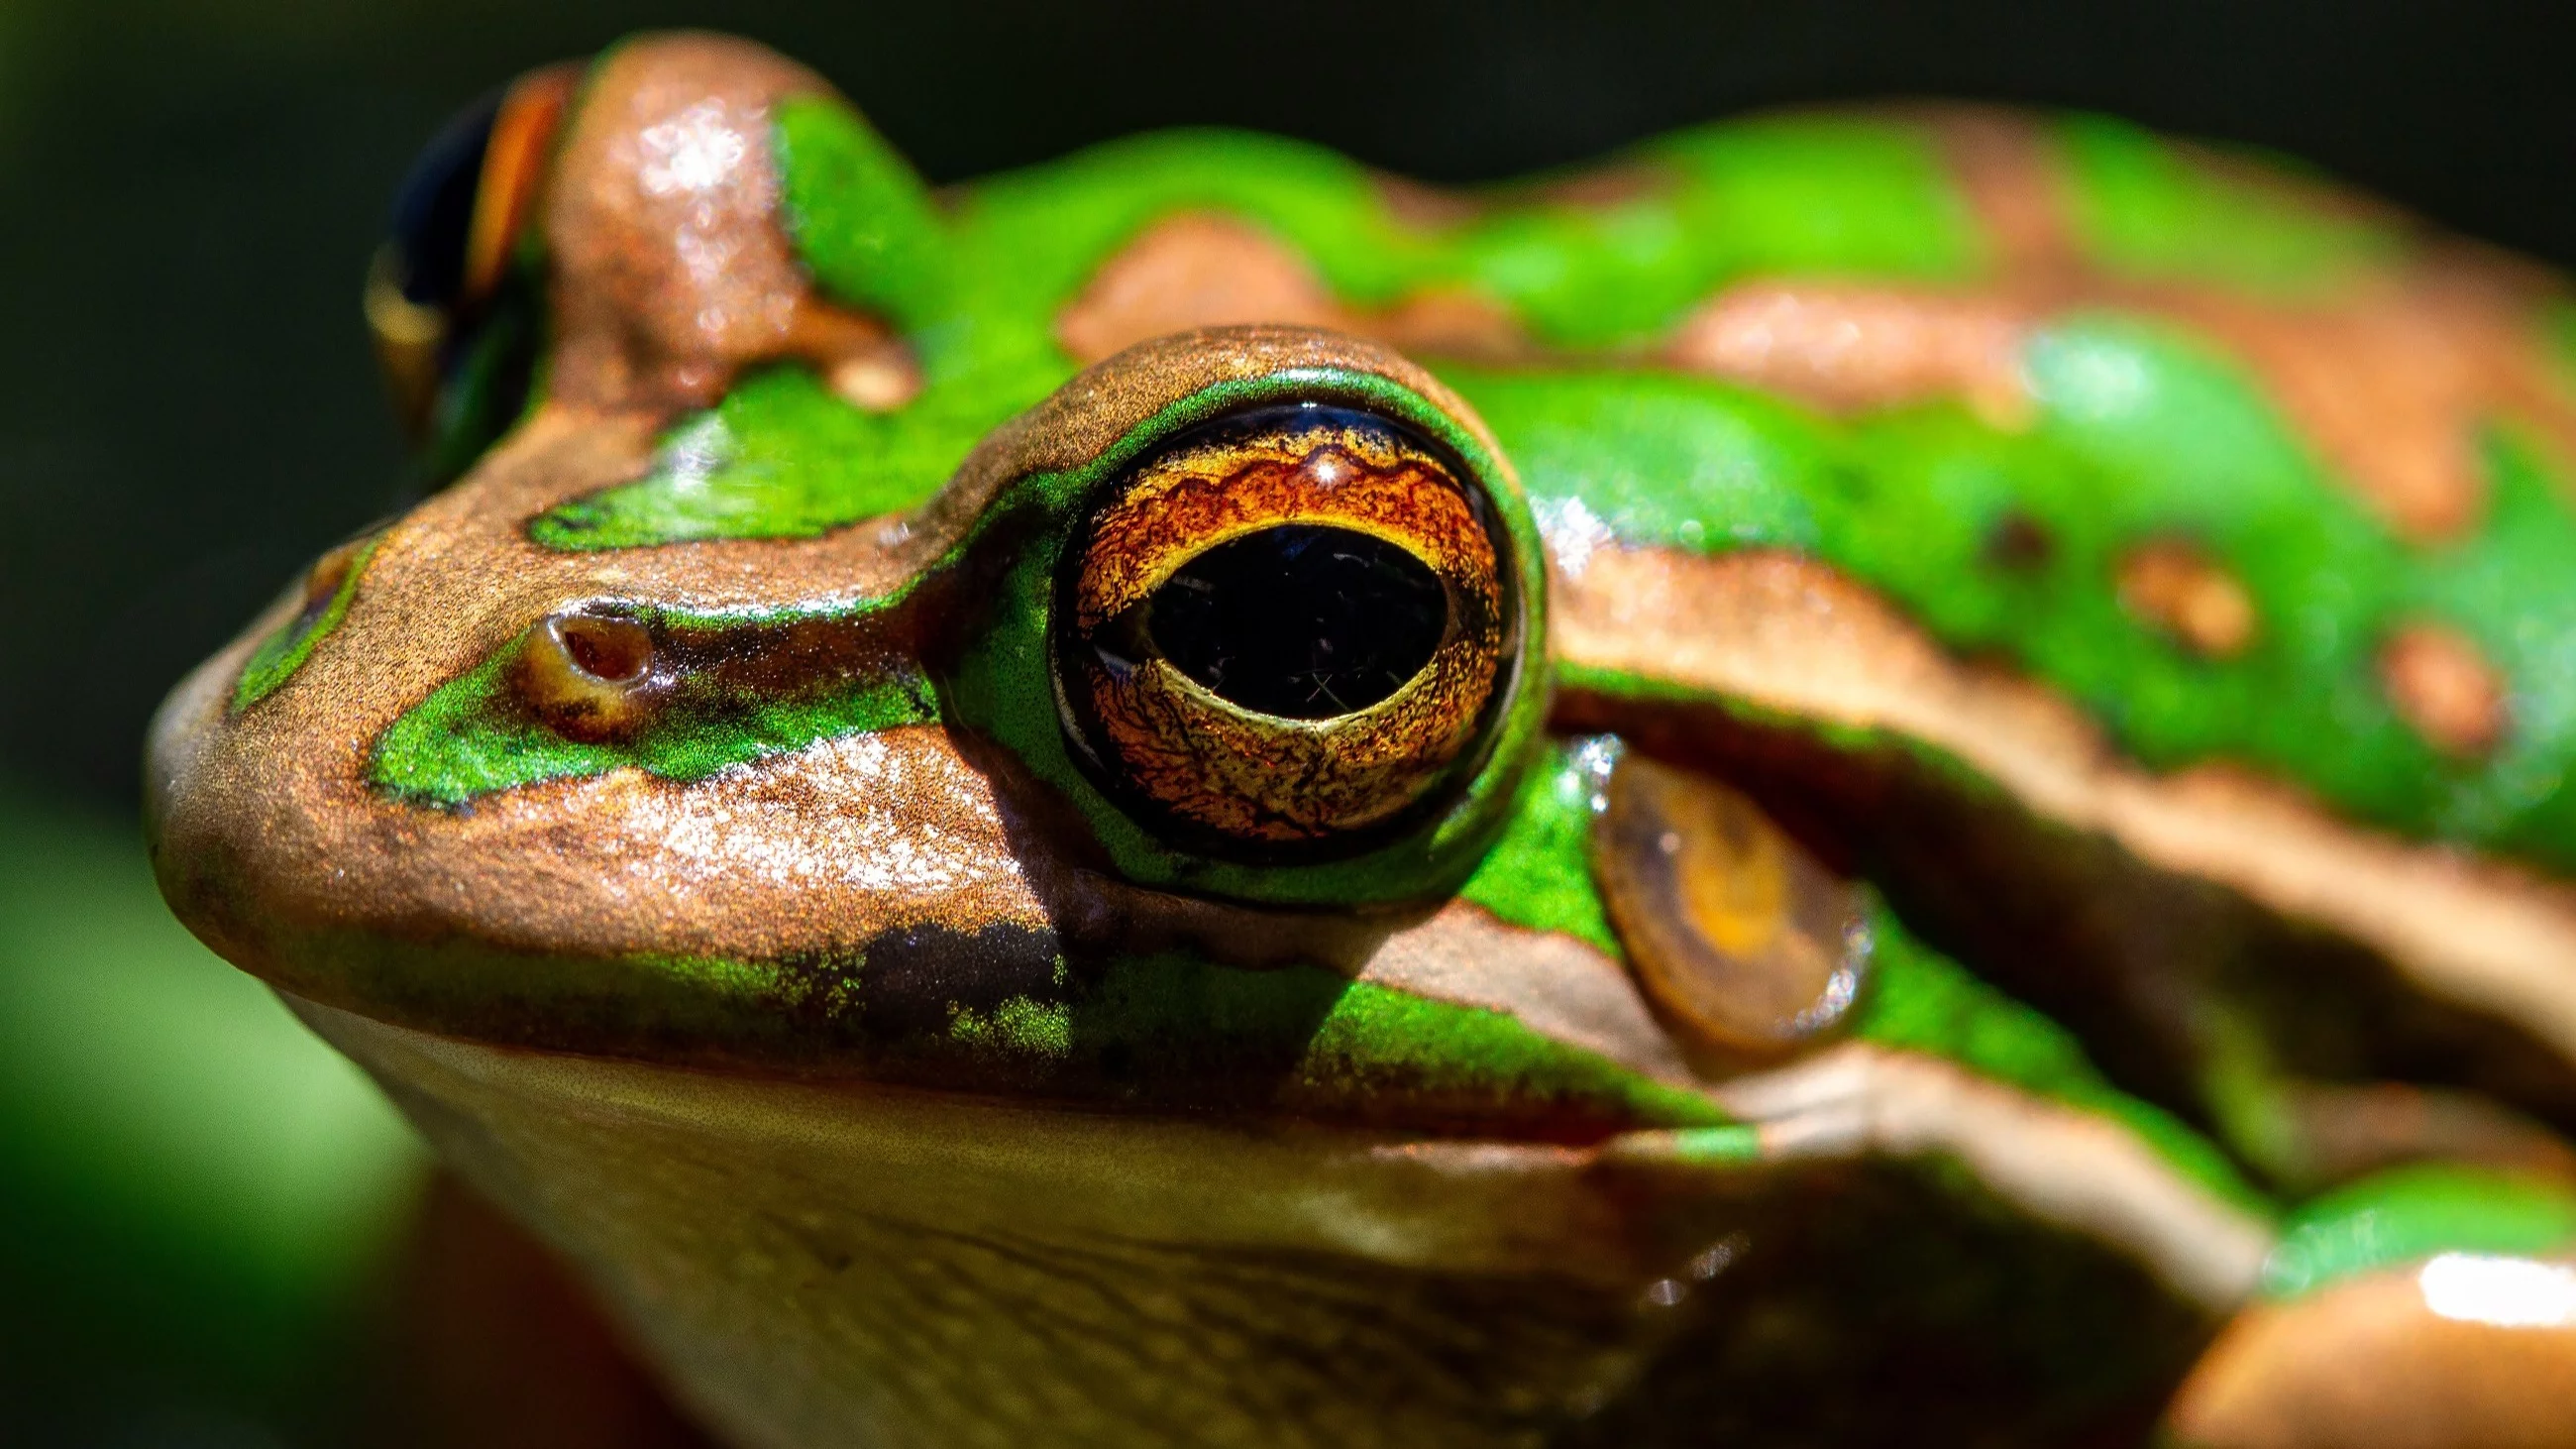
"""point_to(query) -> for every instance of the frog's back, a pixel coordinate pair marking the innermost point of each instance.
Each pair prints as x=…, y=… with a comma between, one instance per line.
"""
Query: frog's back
x=2017, y=502
x=2234, y=460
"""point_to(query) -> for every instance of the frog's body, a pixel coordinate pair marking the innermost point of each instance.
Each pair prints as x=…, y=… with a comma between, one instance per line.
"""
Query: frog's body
x=2150, y=574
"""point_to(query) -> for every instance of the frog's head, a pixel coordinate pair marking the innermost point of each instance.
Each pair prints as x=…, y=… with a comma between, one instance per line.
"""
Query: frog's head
x=1196, y=684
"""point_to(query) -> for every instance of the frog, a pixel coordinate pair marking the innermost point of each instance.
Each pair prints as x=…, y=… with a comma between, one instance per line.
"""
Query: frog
x=1862, y=775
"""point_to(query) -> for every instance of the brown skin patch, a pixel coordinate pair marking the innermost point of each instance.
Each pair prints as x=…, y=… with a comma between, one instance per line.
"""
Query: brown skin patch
x=859, y=357
x=1192, y=271
x=2020, y=543
x=2343, y=1133
x=1205, y=270
x=2368, y=1362
x=2174, y=586
x=2392, y=382
x=1613, y=187
x=1416, y=206
x=671, y=272
x=1854, y=346
x=2005, y=169
x=1789, y=635
x=2441, y=684
x=1739, y=935
x=1564, y=988
x=2059, y=1165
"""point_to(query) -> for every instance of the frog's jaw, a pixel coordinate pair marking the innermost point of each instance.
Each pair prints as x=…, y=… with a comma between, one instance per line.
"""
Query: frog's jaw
x=804, y=1259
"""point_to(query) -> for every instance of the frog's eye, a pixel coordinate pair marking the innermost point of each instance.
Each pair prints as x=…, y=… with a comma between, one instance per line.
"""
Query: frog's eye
x=437, y=289
x=1287, y=631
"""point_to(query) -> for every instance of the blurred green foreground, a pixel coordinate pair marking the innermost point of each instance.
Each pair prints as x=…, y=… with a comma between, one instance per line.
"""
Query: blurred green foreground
x=196, y=1196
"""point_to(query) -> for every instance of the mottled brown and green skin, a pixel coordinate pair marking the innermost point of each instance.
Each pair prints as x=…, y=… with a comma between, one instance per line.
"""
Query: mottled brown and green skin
x=2147, y=568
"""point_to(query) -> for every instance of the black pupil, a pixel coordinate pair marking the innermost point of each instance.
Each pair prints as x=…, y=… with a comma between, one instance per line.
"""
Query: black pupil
x=1303, y=621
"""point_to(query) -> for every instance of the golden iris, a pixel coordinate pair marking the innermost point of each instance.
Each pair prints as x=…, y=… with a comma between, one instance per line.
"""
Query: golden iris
x=1287, y=627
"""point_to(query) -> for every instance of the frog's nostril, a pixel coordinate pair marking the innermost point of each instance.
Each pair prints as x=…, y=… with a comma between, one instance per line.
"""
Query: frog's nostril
x=589, y=676
x=611, y=650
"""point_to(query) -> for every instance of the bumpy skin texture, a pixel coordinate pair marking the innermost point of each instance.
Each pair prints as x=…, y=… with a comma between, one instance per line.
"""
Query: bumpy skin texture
x=2146, y=569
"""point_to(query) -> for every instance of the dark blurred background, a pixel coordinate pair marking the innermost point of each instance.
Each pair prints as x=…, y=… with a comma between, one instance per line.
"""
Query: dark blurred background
x=194, y=1200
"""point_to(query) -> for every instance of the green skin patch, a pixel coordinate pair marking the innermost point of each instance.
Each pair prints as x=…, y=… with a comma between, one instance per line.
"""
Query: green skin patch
x=781, y=457
x=2411, y=1213
x=475, y=734
x=1366, y=1044
x=278, y=656
x=2146, y=208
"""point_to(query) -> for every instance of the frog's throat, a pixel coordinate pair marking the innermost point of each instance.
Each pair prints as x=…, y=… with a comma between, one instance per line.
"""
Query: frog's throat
x=779, y=1218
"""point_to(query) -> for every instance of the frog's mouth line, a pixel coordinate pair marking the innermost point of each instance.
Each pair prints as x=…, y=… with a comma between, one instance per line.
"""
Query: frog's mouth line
x=510, y=1116
x=1549, y=1045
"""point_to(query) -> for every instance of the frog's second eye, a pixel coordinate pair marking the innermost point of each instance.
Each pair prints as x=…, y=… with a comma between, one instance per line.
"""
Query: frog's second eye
x=1287, y=631
x=438, y=283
